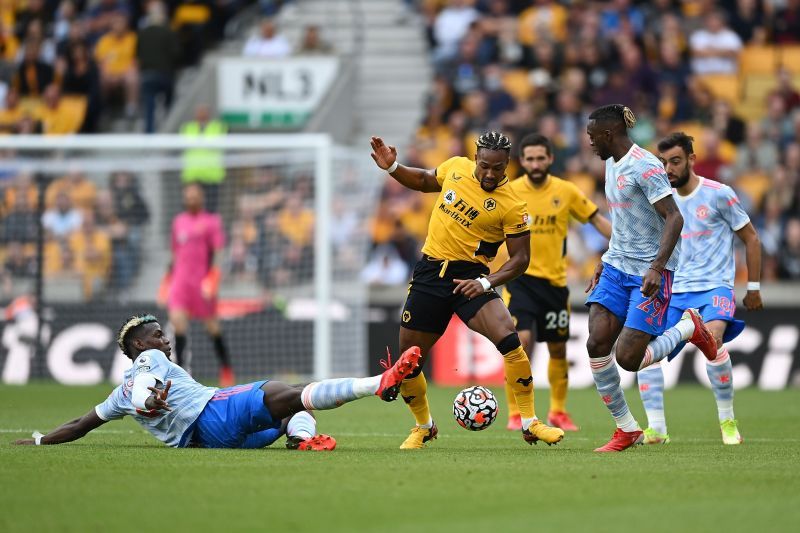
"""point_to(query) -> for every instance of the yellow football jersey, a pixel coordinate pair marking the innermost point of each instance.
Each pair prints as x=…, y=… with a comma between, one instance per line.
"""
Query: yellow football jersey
x=468, y=223
x=550, y=208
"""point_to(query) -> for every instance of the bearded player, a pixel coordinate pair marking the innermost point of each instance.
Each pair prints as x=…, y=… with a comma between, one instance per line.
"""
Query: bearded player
x=539, y=299
x=476, y=211
x=712, y=215
x=632, y=286
x=164, y=399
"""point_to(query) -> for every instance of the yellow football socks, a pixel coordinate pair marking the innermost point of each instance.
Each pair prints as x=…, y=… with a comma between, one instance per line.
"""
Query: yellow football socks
x=415, y=393
x=513, y=409
x=557, y=374
x=519, y=377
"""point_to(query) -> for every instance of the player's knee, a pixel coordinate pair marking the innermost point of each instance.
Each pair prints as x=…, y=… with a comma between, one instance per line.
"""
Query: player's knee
x=598, y=347
x=628, y=362
x=509, y=343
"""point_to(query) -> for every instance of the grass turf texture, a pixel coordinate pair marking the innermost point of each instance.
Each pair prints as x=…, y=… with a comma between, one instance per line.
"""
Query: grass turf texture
x=119, y=478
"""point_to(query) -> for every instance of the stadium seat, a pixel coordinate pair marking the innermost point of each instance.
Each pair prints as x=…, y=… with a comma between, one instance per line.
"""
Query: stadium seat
x=790, y=58
x=754, y=185
x=758, y=60
x=725, y=86
x=190, y=15
x=518, y=85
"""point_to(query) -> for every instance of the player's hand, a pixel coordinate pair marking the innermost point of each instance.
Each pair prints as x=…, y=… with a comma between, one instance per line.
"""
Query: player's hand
x=209, y=286
x=752, y=301
x=471, y=288
x=651, y=282
x=25, y=442
x=158, y=400
x=598, y=271
x=383, y=155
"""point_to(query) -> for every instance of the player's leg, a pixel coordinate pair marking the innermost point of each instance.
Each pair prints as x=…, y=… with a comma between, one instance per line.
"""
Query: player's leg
x=720, y=374
x=651, y=383
x=424, y=319
x=514, y=419
x=214, y=330
x=492, y=320
x=558, y=375
x=179, y=318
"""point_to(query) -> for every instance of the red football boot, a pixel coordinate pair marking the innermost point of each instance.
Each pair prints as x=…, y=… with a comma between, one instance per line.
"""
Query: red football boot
x=317, y=443
x=622, y=440
x=514, y=423
x=395, y=374
x=702, y=336
x=226, y=378
x=561, y=419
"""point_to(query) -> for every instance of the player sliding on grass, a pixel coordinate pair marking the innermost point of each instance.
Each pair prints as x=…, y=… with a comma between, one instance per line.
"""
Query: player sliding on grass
x=181, y=412
x=475, y=213
x=631, y=287
x=704, y=279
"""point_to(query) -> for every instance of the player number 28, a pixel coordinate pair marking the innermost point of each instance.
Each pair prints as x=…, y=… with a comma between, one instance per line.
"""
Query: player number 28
x=557, y=320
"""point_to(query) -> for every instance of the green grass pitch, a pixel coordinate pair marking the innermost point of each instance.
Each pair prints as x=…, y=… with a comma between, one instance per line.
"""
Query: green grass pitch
x=120, y=479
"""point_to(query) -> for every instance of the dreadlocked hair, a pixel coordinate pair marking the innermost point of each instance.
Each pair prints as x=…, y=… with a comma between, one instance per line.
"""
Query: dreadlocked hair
x=131, y=324
x=616, y=112
x=494, y=140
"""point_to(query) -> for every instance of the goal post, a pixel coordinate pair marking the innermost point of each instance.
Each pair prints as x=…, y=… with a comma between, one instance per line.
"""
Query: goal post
x=277, y=189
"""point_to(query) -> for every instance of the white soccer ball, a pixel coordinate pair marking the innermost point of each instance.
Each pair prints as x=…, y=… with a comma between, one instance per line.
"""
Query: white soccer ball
x=475, y=408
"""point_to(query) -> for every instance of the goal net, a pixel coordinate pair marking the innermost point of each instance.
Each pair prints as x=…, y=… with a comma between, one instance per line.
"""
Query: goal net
x=86, y=240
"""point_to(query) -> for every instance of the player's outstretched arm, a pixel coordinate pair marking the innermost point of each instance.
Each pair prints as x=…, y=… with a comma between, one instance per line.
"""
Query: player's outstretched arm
x=69, y=431
x=418, y=179
x=601, y=224
x=668, y=209
x=752, y=247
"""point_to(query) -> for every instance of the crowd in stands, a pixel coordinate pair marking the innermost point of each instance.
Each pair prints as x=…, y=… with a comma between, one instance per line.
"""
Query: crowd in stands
x=727, y=73
x=91, y=233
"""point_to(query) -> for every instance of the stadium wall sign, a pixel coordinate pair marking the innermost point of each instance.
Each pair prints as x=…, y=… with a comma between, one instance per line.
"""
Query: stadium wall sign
x=276, y=93
x=766, y=354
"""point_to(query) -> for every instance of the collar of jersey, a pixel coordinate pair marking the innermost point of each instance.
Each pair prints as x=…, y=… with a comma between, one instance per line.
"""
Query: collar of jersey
x=625, y=157
x=692, y=194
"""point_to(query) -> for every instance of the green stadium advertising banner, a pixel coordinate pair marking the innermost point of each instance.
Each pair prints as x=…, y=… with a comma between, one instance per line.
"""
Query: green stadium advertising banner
x=272, y=93
x=765, y=355
x=83, y=351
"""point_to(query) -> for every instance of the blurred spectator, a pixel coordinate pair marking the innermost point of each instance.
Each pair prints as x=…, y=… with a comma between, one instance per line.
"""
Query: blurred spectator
x=747, y=20
x=58, y=116
x=544, y=19
x=12, y=112
x=786, y=91
x=102, y=15
x=20, y=224
x=91, y=252
x=80, y=76
x=158, y=53
x=35, y=11
x=312, y=43
x=786, y=22
x=203, y=165
x=81, y=191
x=450, y=26
x=35, y=36
x=756, y=151
x=385, y=267
x=18, y=264
x=789, y=254
x=777, y=124
x=62, y=219
x=727, y=125
x=715, y=49
x=122, y=255
x=116, y=55
x=33, y=75
x=267, y=43
x=66, y=16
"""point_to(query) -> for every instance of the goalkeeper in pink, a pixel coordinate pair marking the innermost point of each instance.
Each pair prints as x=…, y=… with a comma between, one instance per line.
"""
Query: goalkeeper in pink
x=192, y=281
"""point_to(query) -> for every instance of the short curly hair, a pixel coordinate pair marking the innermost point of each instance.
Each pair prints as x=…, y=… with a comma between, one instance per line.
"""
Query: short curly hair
x=127, y=329
x=494, y=140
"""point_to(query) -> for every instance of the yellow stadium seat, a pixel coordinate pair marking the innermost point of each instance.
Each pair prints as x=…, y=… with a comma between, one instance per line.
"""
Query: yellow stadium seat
x=725, y=86
x=517, y=84
x=758, y=60
x=756, y=87
x=790, y=58
x=189, y=15
x=754, y=185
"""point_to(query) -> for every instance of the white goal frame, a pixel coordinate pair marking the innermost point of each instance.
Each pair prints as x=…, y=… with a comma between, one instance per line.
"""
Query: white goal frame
x=320, y=144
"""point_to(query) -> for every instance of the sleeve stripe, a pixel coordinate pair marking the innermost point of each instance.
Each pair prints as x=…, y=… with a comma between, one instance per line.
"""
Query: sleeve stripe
x=515, y=235
x=659, y=197
x=743, y=224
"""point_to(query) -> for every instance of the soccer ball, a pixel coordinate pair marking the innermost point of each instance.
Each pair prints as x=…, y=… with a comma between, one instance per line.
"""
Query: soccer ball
x=475, y=408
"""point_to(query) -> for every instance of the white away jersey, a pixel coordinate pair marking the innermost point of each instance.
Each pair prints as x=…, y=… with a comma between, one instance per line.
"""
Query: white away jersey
x=187, y=398
x=633, y=184
x=711, y=215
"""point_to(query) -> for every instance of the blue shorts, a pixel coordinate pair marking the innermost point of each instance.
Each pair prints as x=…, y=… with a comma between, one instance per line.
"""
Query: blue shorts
x=621, y=294
x=713, y=304
x=236, y=417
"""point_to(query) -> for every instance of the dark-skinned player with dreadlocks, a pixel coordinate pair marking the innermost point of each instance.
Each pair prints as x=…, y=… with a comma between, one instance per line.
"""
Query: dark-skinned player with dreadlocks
x=164, y=399
x=476, y=212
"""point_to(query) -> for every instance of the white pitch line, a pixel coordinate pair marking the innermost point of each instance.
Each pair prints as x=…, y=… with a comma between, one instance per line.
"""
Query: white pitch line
x=106, y=431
